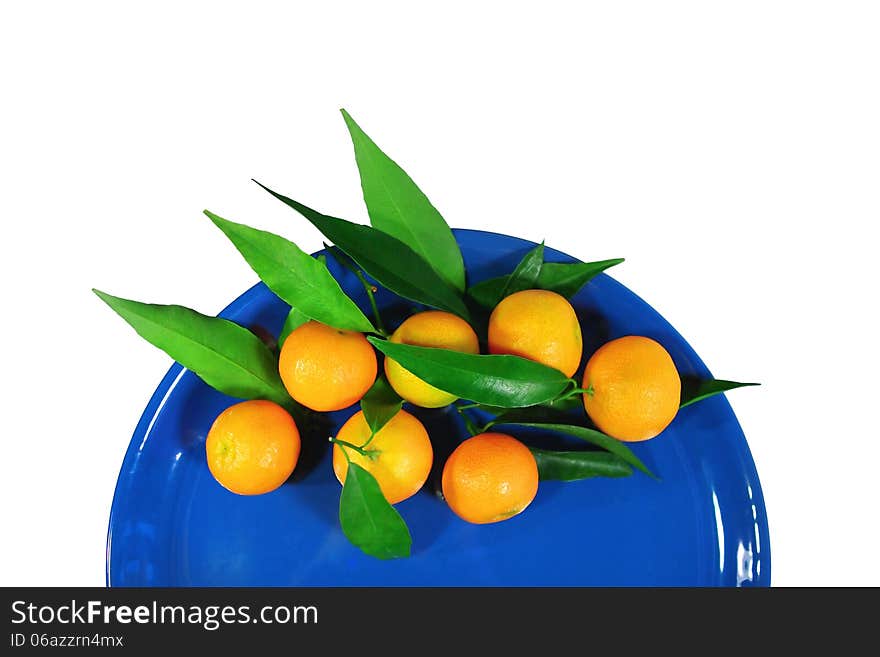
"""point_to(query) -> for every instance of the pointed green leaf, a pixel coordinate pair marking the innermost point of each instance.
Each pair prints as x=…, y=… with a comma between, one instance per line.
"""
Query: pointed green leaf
x=554, y=408
x=368, y=520
x=226, y=356
x=388, y=260
x=296, y=277
x=593, y=437
x=380, y=404
x=539, y=413
x=563, y=278
x=574, y=466
x=398, y=207
x=693, y=390
x=525, y=276
x=489, y=292
x=566, y=278
x=508, y=381
x=295, y=319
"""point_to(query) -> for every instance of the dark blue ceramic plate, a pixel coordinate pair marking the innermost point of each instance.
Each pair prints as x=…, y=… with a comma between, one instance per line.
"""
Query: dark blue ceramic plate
x=704, y=523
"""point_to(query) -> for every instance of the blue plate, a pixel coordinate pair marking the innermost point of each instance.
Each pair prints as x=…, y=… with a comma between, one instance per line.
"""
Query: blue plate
x=704, y=523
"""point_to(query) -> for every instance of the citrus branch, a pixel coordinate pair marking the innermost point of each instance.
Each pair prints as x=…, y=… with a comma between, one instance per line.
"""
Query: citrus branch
x=468, y=422
x=370, y=291
x=344, y=260
x=369, y=453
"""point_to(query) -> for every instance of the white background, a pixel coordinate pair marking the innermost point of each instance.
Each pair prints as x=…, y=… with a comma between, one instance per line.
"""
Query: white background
x=730, y=151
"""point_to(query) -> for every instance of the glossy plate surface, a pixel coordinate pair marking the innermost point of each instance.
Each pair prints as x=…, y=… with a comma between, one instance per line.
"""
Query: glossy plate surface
x=704, y=523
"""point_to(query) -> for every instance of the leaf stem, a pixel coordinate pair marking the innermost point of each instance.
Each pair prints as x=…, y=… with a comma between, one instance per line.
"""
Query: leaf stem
x=369, y=289
x=370, y=439
x=344, y=453
x=369, y=453
x=575, y=391
x=472, y=428
x=380, y=327
x=488, y=425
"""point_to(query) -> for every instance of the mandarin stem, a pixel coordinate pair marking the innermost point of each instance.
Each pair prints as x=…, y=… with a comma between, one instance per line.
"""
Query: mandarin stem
x=369, y=453
x=344, y=261
x=380, y=327
x=468, y=422
x=575, y=391
x=369, y=440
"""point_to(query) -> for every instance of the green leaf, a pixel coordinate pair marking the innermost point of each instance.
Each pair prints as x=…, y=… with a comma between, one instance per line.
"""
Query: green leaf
x=694, y=390
x=508, y=381
x=226, y=356
x=525, y=276
x=368, y=520
x=398, y=207
x=550, y=411
x=567, y=278
x=593, y=437
x=380, y=404
x=489, y=292
x=540, y=413
x=567, y=404
x=295, y=319
x=573, y=466
x=296, y=277
x=563, y=278
x=388, y=260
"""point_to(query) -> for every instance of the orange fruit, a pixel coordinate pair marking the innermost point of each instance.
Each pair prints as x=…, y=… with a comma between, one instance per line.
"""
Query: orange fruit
x=399, y=456
x=252, y=447
x=432, y=328
x=634, y=388
x=539, y=325
x=326, y=369
x=489, y=478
